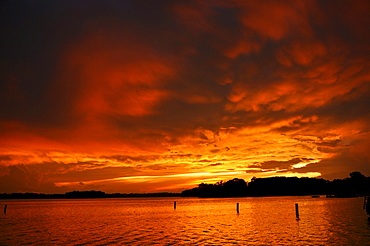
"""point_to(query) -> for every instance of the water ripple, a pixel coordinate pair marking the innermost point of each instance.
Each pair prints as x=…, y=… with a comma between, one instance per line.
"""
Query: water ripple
x=194, y=222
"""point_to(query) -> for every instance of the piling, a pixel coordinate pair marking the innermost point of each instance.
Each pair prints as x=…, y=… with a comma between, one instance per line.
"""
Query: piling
x=296, y=211
x=174, y=205
x=237, y=207
x=5, y=207
x=367, y=204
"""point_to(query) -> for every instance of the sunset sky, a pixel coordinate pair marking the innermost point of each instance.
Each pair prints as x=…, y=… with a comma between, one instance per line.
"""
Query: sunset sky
x=152, y=96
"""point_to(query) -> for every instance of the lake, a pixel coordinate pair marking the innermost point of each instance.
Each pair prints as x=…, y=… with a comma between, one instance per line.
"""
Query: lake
x=195, y=221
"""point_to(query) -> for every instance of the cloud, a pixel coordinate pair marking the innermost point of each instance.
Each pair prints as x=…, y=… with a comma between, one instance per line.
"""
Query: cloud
x=124, y=89
x=23, y=178
x=340, y=165
x=279, y=164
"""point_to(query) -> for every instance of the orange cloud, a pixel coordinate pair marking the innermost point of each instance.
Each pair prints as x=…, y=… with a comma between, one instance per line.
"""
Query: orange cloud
x=301, y=53
x=116, y=77
x=275, y=20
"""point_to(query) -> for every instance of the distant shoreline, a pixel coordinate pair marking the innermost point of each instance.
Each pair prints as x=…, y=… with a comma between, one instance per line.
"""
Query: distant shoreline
x=83, y=195
x=42, y=196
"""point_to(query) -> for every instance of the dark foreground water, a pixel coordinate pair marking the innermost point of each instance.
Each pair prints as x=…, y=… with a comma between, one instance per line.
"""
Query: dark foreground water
x=154, y=221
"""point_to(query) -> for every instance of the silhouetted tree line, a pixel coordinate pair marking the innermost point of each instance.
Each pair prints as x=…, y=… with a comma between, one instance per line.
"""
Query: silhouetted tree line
x=85, y=194
x=159, y=194
x=356, y=185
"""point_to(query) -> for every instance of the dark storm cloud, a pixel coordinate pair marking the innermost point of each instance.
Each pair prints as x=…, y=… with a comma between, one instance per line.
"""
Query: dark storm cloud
x=21, y=178
x=34, y=36
x=198, y=94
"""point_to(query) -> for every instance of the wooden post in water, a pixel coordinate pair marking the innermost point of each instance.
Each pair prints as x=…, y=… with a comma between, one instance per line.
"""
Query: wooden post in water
x=367, y=205
x=296, y=211
x=237, y=207
x=5, y=207
x=174, y=205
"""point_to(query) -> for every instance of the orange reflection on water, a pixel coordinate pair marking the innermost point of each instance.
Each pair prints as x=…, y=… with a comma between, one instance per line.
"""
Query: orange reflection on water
x=195, y=221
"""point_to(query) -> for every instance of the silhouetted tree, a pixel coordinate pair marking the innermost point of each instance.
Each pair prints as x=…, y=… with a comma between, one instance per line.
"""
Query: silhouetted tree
x=235, y=187
x=357, y=176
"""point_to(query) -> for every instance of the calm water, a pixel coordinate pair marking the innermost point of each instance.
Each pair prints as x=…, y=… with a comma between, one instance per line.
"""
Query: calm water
x=154, y=221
